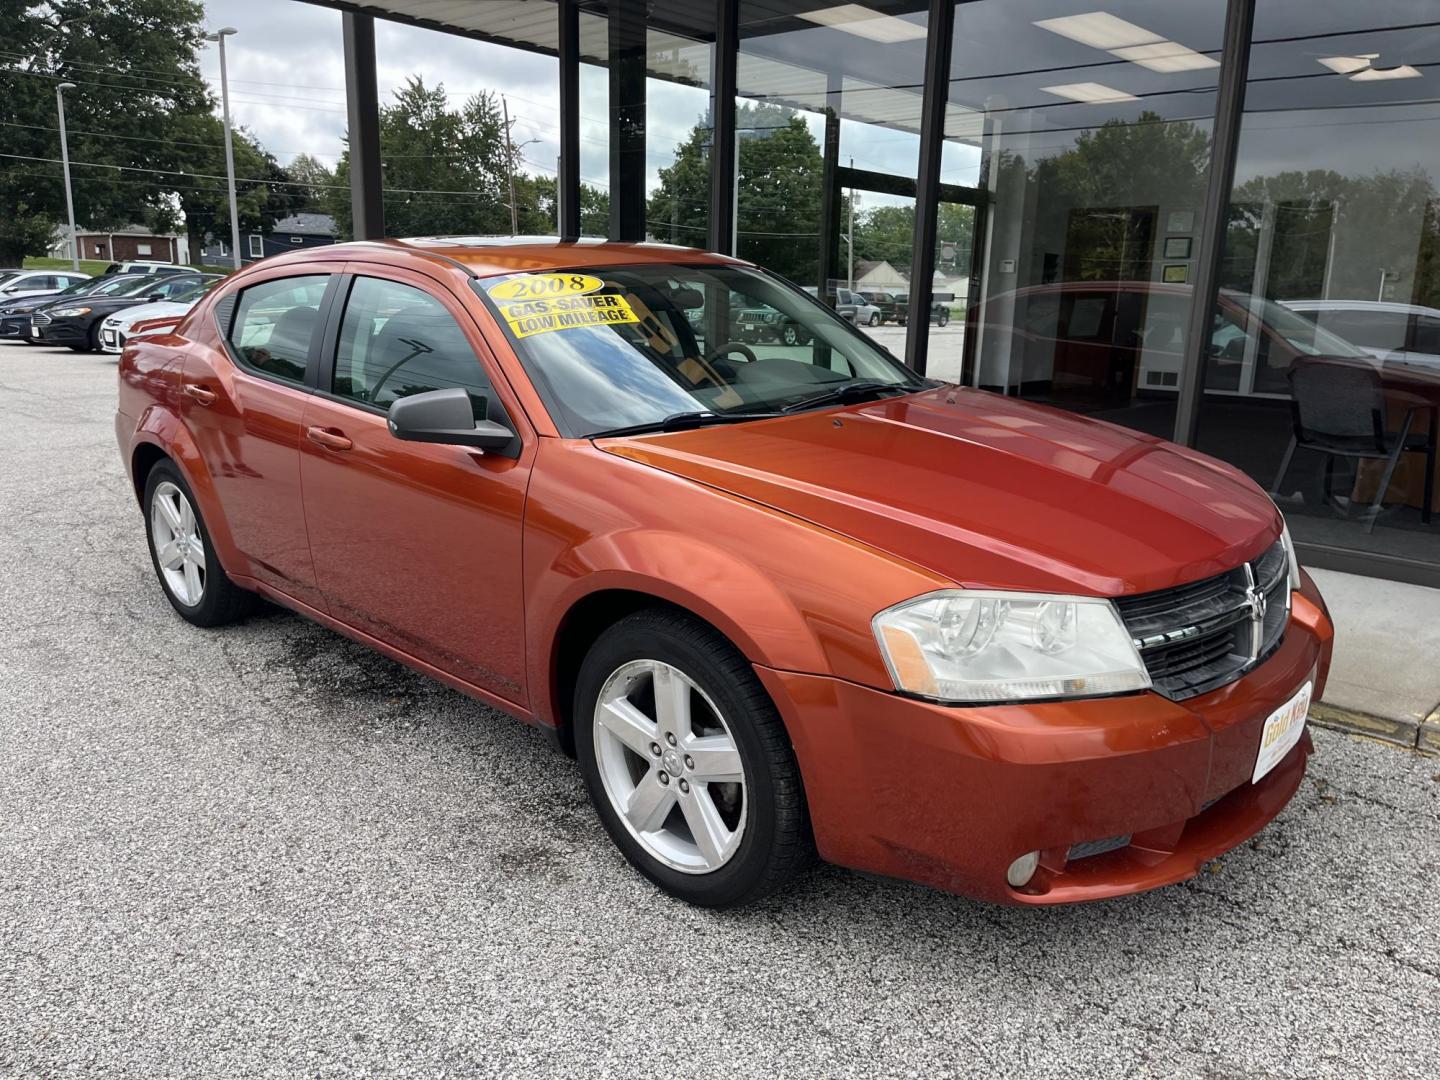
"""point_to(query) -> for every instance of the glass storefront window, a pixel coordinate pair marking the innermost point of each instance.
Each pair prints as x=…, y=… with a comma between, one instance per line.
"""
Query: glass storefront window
x=1327, y=391
x=1088, y=133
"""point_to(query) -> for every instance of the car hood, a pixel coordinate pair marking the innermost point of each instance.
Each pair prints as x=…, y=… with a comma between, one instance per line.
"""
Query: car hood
x=25, y=304
x=130, y=316
x=987, y=491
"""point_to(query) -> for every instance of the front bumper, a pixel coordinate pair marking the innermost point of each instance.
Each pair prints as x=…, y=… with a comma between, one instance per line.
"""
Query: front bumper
x=949, y=797
x=60, y=331
x=15, y=326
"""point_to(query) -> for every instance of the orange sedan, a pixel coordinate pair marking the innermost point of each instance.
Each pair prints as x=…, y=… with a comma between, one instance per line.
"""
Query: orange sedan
x=775, y=599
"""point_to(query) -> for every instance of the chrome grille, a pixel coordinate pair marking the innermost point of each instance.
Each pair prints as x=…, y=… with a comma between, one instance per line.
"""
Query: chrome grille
x=1199, y=636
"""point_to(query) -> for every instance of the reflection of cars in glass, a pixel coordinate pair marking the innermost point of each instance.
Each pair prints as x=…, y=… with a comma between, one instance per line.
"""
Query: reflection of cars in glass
x=775, y=599
x=1392, y=332
x=1100, y=344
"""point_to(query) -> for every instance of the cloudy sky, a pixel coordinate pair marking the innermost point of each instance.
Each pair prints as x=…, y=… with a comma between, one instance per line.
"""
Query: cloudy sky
x=287, y=87
x=287, y=84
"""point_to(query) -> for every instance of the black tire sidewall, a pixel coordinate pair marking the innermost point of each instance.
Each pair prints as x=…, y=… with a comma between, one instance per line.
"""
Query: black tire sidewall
x=636, y=638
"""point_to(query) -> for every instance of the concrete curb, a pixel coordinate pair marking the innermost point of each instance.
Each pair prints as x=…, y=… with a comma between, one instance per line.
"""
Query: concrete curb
x=1429, y=737
x=1414, y=735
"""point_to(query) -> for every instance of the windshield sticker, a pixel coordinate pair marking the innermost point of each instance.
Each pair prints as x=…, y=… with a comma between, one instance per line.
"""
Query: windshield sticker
x=543, y=286
x=528, y=317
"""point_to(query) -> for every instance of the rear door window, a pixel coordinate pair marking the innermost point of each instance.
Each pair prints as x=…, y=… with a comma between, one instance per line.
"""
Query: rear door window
x=276, y=322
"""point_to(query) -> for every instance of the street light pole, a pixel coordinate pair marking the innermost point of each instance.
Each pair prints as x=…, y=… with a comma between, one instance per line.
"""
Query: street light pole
x=219, y=37
x=65, y=164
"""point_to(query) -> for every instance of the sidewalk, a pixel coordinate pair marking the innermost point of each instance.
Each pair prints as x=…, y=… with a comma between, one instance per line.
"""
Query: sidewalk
x=1385, y=681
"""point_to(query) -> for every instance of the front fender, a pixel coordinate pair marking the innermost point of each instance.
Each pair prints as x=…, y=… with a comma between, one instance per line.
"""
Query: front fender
x=789, y=595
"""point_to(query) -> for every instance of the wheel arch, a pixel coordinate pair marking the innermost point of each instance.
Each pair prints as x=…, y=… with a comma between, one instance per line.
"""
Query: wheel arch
x=580, y=627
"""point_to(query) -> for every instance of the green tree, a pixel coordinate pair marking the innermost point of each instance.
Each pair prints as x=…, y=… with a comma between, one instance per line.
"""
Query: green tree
x=314, y=180
x=445, y=171
x=261, y=193
x=778, y=206
x=133, y=63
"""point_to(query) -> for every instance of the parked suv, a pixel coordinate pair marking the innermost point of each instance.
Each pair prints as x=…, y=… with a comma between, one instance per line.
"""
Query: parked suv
x=773, y=603
x=147, y=266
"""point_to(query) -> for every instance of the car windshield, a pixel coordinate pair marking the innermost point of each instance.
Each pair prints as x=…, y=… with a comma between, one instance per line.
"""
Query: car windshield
x=635, y=346
x=124, y=286
x=1300, y=333
x=76, y=288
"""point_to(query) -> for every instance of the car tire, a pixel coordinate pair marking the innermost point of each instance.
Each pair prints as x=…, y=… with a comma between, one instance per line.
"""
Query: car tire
x=790, y=335
x=757, y=829
x=943, y=319
x=219, y=600
x=874, y=319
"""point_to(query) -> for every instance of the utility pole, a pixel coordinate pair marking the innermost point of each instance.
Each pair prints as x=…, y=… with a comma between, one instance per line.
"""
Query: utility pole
x=510, y=167
x=65, y=164
x=219, y=36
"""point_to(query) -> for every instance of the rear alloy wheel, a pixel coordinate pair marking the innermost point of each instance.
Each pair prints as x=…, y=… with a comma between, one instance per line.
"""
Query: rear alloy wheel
x=874, y=318
x=687, y=762
x=184, y=559
x=790, y=335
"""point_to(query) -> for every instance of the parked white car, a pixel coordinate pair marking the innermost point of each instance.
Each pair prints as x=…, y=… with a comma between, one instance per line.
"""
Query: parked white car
x=118, y=327
x=38, y=282
x=147, y=266
x=1391, y=332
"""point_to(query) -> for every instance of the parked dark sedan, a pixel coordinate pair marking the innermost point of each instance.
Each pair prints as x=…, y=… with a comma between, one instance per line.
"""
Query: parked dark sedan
x=76, y=321
x=15, y=314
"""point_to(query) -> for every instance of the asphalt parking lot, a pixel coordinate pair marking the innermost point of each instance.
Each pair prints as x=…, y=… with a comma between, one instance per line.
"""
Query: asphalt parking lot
x=264, y=851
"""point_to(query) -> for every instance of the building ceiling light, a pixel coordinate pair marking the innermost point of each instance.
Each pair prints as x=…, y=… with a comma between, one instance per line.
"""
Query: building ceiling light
x=865, y=22
x=1089, y=92
x=1166, y=56
x=1347, y=65
x=1100, y=29
x=1374, y=74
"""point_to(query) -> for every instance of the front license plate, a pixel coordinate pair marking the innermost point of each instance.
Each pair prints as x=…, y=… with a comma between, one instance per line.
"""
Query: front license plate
x=1282, y=730
x=109, y=336
x=749, y=327
x=36, y=331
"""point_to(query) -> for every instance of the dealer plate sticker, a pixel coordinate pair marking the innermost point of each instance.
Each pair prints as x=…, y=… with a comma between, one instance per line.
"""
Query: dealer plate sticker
x=1282, y=731
x=542, y=303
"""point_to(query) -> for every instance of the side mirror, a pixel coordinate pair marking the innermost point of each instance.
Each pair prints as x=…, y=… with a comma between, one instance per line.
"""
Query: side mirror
x=155, y=297
x=445, y=416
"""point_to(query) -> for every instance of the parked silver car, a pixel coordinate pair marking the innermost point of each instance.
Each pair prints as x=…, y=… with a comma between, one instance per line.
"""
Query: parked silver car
x=1391, y=332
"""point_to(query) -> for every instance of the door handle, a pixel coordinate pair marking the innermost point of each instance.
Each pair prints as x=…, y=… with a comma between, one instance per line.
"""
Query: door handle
x=329, y=438
x=200, y=394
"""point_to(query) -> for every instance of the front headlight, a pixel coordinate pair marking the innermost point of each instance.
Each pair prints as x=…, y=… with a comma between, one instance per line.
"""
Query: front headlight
x=69, y=312
x=963, y=645
x=1290, y=556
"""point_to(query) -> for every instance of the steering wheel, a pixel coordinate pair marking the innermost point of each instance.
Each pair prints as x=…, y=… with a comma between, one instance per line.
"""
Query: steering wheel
x=734, y=347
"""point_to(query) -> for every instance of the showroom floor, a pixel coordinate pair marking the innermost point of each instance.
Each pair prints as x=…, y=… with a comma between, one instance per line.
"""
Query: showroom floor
x=264, y=851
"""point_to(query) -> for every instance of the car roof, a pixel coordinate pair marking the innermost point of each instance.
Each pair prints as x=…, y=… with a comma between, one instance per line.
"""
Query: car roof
x=487, y=256
x=1390, y=306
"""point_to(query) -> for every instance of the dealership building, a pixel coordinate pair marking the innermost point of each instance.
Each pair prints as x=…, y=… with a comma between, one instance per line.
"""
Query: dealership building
x=1216, y=221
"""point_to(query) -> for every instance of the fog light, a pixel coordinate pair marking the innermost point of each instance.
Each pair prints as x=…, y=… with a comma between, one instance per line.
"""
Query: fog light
x=1022, y=870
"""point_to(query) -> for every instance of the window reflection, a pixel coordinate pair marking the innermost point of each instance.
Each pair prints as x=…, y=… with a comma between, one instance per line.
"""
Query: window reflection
x=1328, y=393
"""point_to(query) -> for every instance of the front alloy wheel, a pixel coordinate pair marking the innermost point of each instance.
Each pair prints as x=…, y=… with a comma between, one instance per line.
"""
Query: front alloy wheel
x=688, y=764
x=670, y=767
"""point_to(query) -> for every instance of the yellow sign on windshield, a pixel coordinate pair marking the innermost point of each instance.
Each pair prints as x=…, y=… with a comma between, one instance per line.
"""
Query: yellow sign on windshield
x=541, y=286
x=528, y=317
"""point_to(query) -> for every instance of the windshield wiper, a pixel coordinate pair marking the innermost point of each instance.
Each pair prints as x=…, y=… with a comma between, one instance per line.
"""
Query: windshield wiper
x=684, y=421
x=848, y=393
